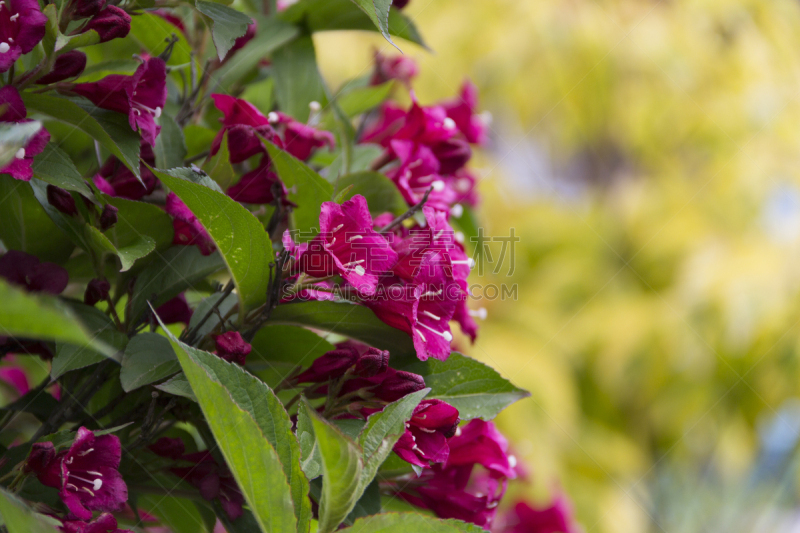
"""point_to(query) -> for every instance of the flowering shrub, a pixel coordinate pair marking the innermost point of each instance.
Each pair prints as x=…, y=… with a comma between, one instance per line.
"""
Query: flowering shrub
x=243, y=308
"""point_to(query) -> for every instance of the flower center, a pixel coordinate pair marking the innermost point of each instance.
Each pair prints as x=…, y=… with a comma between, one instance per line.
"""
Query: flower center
x=138, y=107
x=96, y=483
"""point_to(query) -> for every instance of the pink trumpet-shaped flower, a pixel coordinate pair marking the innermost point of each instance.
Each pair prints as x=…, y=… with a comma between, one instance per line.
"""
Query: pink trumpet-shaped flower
x=22, y=26
x=12, y=110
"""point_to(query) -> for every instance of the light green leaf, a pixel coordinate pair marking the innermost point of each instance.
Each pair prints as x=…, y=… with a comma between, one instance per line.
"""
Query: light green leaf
x=362, y=99
x=382, y=195
x=108, y=128
x=14, y=136
x=148, y=358
x=255, y=435
x=151, y=32
x=311, y=462
x=239, y=236
x=341, y=471
x=170, y=148
x=55, y=167
x=307, y=189
x=169, y=274
x=71, y=356
x=475, y=389
x=180, y=515
x=382, y=431
x=137, y=219
x=128, y=254
x=229, y=25
x=19, y=518
x=297, y=78
x=219, y=167
x=40, y=316
x=378, y=12
x=389, y=522
x=354, y=321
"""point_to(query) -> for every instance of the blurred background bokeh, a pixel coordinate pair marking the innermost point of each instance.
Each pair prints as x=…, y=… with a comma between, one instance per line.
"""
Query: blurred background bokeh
x=647, y=155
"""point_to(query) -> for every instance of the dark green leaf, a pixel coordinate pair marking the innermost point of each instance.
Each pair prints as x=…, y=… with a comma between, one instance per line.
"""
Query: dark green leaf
x=239, y=236
x=307, y=189
x=178, y=386
x=179, y=514
x=108, y=128
x=354, y=321
x=137, y=248
x=475, y=389
x=170, y=148
x=169, y=274
x=137, y=219
x=213, y=320
x=55, y=167
x=255, y=435
x=39, y=405
x=70, y=356
x=148, y=358
x=297, y=78
x=219, y=167
x=368, y=504
x=229, y=25
x=341, y=471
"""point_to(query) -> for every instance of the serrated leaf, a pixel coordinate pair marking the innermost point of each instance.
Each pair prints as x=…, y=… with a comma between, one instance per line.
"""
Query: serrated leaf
x=108, y=128
x=255, y=435
x=71, y=357
x=229, y=25
x=307, y=189
x=297, y=78
x=378, y=12
x=148, y=358
x=55, y=167
x=475, y=389
x=170, y=148
x=40, y=316
x=238, y=234
x=341, y=471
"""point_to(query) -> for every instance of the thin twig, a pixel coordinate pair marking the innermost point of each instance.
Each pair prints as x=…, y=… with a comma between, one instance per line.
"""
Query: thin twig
x=408, y=214
x=190, y=334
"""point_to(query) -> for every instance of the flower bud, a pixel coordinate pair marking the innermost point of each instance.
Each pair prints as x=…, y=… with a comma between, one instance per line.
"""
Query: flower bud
x=232, y=347
x=171, y=448
x=108, y=217
x=372, y=363
x=67, y=65
x=96, y=291
x=452, y=155
x=82, y=9
x=61, y=200
x=331, y=365
x=111, y=23
x=398, y=385
x=40, y=458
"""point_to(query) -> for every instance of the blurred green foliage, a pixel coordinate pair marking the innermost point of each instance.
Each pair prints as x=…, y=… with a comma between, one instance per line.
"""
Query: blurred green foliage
x=646, y=154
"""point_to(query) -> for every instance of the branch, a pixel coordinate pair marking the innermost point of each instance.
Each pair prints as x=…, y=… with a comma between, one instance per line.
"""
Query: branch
x=408, y=214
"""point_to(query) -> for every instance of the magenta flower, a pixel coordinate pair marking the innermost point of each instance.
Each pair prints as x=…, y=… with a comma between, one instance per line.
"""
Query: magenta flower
x=96, y=291
x=259, y=186
x=361, y=361
x=418, y=171
x=232, y=347
x=170, y=17
x=300, y=139
x=68, y=65
x=111, y=23
x=81, y=9
x=462, y=111
x=401, y=68
x=22, y=26
x=213, y=481
x=243, y=123
x=556, y=518
x=115, y=179
x=481, y=443
x=20, y=168
x=14, y=376
x=425, y=438
x=239, y=43
x=105, y=523
x=26, y=271
x=348, y=246
x=141, y=96
x=175, y=310
x=188, y=229
x=87, y=475
x=171, y=448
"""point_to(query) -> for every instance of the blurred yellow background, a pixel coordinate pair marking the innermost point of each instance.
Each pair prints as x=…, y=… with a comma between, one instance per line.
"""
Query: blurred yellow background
x=647, y=155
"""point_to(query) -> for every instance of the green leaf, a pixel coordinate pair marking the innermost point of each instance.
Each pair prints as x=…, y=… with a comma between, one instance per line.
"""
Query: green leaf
x=384, y=523
x=40, y=316
x=178, y=386
x=341, y=471
x=368, y=504
x=213, y=320
x=255, y=435
x=14, y=136
x=278, y=350
x=307, y=189
x=170, y=148
x=39, y=405
x=362, y=99
x=297, y=78
x=272, y=34
x=137, y=219
x=169, y=274
x=229, y=25
x=178, y=514
x=55, y=167
x=239, y=236
x=382, y=431
x=71, y=357
x=475, y=389
x=381, y=194
x=378, y=12
x=72, y=227
x=354, y=321
x=19, y=518
x=108, y=128
x=219, y=167
x=128, y=254
x=148, y=358
x=25, y=226
x=311, y=462
x=151, y=31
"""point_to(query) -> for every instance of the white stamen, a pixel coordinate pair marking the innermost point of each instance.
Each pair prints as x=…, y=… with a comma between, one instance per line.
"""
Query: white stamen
x=137, y=111
x=158, y=112
x=512, y=461
x=438, y=185
x=87, y=452
x=446, y=335
x=479, y=313
x=351, y=263
x=423, y=338
x=4, y=48
x=459, y=236
x=84, y=489
x=11, y=40
x=273, y=117
x=449, y=124
x=463, y=184
x=457, y=210
x=426, y=430
x=438, y=234
x=20, y=153
x=356, y=237
x=332, y=242
x=469, y=261
x=337, y=228
x=431, y=293
x=314, y=106
x=428, y=313
x=458, y=432
x=98, y=484
x=71, y=486
x=13, y=18
x=98, y=474
x=360, y=270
